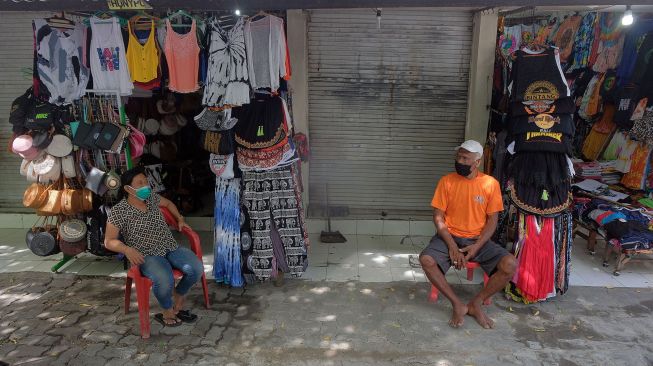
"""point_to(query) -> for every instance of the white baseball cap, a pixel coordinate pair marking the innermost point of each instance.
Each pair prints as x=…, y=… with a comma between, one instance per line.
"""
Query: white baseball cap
x=471, y=146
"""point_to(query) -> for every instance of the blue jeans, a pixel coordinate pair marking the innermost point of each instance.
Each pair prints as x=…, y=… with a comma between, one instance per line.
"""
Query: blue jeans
x=159, y=270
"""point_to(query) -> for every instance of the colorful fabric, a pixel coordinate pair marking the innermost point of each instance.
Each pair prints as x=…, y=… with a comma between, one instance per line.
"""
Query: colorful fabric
x=227, y=267
x=227, y=77
x=565, y=36
x=536, y=273
x=584, y=42
x=271, y=196
x=635, y=178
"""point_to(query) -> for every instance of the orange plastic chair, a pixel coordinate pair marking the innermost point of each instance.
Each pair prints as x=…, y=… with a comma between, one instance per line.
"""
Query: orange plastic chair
x=471, y=266
x=144, y=284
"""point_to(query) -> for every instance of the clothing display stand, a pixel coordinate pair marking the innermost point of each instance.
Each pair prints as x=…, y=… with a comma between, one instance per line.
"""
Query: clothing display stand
x=116, y=102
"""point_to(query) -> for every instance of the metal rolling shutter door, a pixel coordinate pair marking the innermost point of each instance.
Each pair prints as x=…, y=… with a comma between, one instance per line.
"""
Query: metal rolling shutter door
x=16, y=54
x=386, y=106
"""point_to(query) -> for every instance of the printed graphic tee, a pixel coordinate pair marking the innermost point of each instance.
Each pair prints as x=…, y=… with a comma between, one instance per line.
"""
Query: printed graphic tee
x=107, y=57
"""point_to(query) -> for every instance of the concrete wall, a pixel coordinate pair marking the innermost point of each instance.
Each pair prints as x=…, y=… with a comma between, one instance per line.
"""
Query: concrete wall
x=480, y=74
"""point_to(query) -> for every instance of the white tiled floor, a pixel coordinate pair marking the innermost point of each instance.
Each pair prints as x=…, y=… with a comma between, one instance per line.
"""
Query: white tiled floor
x=367, y=258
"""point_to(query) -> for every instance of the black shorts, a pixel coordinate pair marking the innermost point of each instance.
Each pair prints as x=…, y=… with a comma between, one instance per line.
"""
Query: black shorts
x=488, y=256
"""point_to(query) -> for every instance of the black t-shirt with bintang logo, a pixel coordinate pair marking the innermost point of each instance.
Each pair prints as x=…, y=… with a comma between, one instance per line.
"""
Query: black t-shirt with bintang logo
x=538, y=77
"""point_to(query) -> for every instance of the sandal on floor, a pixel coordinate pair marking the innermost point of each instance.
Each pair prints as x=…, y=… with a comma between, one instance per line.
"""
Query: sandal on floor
x=159, y=317
x=186, y=316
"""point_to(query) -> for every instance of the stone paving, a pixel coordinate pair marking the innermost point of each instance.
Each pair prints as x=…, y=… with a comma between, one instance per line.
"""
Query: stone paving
x=63, y=319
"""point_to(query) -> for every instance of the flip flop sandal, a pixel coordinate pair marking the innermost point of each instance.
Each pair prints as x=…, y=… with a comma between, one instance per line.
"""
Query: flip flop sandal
x=186, y=316
x=159, y=317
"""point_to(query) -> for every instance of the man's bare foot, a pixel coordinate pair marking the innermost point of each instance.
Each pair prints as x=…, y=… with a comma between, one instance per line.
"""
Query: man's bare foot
x=474, y=309
x=458, y=316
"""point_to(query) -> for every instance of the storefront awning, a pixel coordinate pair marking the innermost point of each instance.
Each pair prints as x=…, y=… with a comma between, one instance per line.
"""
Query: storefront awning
x=86, y=5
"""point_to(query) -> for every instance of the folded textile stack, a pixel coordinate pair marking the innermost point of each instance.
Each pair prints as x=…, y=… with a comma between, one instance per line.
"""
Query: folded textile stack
x=609, y=173
x=589, y=170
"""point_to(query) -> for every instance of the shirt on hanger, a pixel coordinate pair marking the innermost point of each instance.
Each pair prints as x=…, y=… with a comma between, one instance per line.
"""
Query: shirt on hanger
x=227, y=80
x=182, y=55
x=107, y=58
x=142, y=58
x=267, y=52
x=60, y=62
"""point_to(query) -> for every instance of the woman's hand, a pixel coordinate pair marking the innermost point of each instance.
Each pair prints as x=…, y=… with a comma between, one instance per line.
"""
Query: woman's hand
x=135, y=257
x=183, y=224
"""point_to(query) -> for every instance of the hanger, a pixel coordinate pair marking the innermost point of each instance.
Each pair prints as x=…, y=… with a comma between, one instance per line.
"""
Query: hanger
x=106, y=15
x=61, y=22
x=142, y=20
x=261, y=13
x=184, y=13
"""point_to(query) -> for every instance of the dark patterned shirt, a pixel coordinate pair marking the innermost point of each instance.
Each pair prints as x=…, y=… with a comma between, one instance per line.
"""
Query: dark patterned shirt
x=147, y=231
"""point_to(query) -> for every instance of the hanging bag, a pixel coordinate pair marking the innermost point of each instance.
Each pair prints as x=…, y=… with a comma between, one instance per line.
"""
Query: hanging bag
x=35, y=195
x=42, y=239
x=41, y=116
x=218, y=142
x=72, y=237
x=52, y=205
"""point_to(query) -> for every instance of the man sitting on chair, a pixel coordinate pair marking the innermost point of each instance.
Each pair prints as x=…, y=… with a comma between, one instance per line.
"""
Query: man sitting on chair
x=465, y=211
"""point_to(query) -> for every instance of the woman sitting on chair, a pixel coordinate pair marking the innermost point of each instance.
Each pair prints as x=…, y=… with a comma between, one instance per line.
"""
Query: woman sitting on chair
x=149, y=244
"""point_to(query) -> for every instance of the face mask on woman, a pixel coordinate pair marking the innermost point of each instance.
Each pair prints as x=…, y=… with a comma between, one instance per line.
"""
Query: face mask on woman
x=142, y=193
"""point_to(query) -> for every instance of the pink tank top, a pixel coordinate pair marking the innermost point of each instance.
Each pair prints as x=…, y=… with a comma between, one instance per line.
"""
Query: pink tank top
x=182, y=54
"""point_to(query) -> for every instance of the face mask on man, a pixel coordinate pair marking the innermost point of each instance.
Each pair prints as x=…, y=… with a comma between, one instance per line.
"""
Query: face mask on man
x=464, y=170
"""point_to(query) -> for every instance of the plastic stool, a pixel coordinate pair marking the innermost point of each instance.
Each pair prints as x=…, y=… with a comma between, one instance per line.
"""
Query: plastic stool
x=471, y=266
x=144, y=284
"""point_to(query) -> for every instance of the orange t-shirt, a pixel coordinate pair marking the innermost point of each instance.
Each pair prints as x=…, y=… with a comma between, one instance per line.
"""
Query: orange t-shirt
x=467, y=202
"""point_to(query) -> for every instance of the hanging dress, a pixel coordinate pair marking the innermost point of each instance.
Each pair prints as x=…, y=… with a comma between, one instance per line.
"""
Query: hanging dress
x=107, y=57
x=182, y=54
x=536, y=273
x=227, y=80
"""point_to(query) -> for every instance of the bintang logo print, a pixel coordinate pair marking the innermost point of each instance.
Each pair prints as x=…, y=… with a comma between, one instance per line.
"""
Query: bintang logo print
x=539, y=99
x=540, y=96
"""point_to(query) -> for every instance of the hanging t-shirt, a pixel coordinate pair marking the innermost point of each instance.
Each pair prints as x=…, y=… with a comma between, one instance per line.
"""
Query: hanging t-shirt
x=564, y=37
x=537, y=77
x=611, y=43
x=107, y=57
x=227, y=80
x=616, y=145
x=510, y=40
x=60, y=60
x=636, y=177
x=632, y=43
x=624, y=157
x=268, y=58
x=584, y=42
x=182, y=55
x=143, y=58
x=627, y=100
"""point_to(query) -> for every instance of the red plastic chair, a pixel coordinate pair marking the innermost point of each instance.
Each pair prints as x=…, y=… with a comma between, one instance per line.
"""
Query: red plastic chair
x=144, y=284
x=471, y=266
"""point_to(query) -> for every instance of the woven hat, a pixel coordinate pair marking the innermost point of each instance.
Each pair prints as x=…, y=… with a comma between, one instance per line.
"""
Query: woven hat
x=68, y=166
x=47, y=167
x=151, y=127
x=60, y=146
x=23, y=146
x=41, y=139
x=23, y=167
x=169, y=125
x=166, y=105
